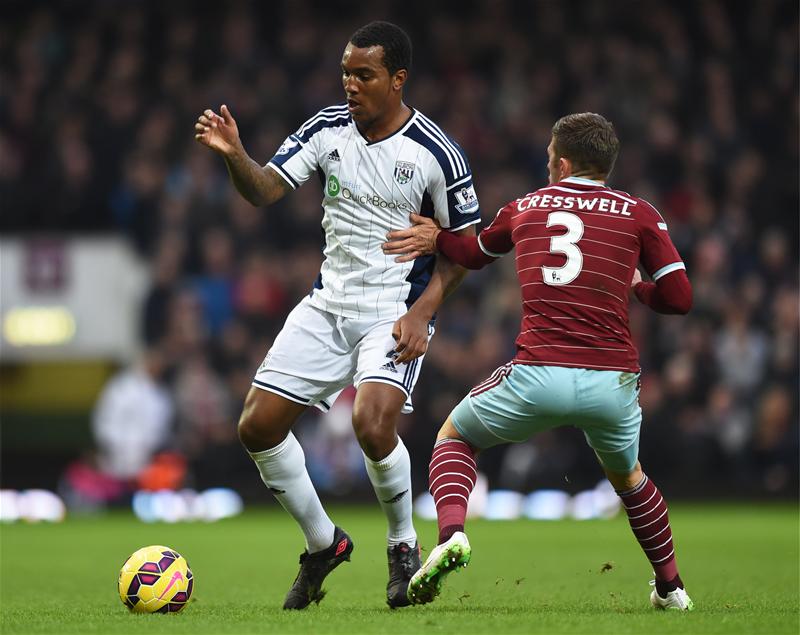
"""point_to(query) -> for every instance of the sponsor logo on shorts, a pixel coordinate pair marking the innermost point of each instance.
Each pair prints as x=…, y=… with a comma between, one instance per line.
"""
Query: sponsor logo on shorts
x=390, y=366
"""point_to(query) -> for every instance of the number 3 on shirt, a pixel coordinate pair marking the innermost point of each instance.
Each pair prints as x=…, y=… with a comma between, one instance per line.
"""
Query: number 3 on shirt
x=565, y=244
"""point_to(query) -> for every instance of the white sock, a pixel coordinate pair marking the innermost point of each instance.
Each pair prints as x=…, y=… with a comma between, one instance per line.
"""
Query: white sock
x=283, y=470
x=391, y=478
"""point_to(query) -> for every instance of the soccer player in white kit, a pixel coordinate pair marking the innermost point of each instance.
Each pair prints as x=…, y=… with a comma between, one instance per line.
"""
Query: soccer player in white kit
x=367, y=320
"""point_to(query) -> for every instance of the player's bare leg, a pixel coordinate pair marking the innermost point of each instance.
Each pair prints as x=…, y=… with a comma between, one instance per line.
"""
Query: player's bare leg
x=266, y=419
x=265, y=430
x=649, y=519
x=452, y=475
x=375, y=414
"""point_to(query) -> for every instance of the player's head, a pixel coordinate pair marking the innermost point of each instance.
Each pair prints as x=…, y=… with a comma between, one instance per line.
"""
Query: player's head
x=583, y=144
x=375, y=66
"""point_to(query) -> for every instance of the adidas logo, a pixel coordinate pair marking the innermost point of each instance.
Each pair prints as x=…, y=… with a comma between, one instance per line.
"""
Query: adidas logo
x=334, y=155
x=389, y=366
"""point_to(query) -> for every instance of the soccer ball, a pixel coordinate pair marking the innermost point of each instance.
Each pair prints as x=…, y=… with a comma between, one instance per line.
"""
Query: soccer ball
x=155, y=579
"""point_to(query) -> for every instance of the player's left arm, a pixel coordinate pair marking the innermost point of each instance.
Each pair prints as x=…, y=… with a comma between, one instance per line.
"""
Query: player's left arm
x=670, y=291
x=672, y=294
x=411, y=330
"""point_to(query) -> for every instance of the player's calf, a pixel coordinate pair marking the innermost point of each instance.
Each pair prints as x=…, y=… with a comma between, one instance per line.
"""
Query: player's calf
x=649, y=520
x=451, y=478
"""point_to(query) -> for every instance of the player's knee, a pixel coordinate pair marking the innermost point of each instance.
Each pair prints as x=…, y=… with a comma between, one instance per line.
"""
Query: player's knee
x=448, y=431
x=375, y=431
x=623, y=481
x=376, y=441
x=248, y=430
x=255, y=430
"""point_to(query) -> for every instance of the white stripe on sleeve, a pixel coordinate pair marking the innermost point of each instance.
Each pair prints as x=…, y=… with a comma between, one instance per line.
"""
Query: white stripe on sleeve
x=668, y=269
x=486, y=251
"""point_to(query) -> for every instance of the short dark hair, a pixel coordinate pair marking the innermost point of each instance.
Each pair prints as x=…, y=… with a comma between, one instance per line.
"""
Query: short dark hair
x=395, y=42
x=588, y=140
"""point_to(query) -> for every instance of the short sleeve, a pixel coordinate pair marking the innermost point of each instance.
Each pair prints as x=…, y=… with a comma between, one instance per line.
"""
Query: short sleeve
x=455, y=205
x=298, y=157
x=495, y=239
x=658, y=254
x=449, y=189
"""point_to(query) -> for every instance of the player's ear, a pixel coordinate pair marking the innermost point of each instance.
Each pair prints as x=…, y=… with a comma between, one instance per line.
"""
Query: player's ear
x=399, y=79
x=565, y=167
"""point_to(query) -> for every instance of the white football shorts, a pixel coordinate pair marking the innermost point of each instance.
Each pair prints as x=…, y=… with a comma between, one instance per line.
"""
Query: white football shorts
x=318, y=354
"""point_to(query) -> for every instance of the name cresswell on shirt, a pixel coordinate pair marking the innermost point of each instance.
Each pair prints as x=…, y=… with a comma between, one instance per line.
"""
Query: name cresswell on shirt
x=599, y=203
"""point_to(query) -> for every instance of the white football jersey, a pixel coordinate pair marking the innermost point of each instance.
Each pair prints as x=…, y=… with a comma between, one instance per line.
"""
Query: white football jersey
x=370, y=189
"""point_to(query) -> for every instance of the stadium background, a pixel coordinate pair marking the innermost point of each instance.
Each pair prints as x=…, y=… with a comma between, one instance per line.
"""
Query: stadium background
x=97, y=107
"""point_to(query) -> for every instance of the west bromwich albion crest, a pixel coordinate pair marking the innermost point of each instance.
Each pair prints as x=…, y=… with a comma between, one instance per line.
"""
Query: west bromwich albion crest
x=403, y=172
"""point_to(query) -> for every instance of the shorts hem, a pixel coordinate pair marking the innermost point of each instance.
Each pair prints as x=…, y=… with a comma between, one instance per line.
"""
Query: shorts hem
x=464, y=435
x=609, y=451
x=376, y=379
x=616, y=453
x=408, y=407
x=282, y=392
x=482, y=423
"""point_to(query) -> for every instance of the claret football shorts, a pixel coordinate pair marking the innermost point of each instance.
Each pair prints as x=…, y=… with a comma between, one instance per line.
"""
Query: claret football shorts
x=519, y=400
x=318, y=354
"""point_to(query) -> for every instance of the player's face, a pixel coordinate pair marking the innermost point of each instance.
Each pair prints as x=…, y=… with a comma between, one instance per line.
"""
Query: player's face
x=368, y=86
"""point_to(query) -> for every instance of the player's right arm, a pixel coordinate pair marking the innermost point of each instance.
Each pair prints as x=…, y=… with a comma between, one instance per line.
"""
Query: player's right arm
x=470, y=251
x=258, y=185
x=463, y=250
x=425, y=237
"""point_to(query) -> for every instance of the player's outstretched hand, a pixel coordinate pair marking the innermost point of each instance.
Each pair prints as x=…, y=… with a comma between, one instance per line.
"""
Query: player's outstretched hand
x=218, y=132
x=418, y=240
x=411, y=334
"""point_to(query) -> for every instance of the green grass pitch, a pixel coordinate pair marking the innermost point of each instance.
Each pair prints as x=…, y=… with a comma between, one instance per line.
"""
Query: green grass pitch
x=740, y=564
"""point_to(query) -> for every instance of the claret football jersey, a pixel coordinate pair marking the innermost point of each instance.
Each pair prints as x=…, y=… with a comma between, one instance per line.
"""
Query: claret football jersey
x=577, y=243
x=371, y=188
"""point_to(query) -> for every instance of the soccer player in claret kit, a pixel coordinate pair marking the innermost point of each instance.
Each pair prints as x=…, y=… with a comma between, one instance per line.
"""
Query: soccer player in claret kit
x=366, y=321
x=578, y=244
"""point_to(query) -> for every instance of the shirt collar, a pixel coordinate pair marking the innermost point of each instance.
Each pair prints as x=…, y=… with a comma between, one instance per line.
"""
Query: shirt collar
x=579, y=180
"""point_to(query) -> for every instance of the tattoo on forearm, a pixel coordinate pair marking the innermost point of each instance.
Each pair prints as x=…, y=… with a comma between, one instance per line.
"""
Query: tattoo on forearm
x=259, y=186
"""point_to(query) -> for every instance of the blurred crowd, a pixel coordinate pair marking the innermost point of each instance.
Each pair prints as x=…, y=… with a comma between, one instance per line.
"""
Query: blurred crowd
x=97, y=107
